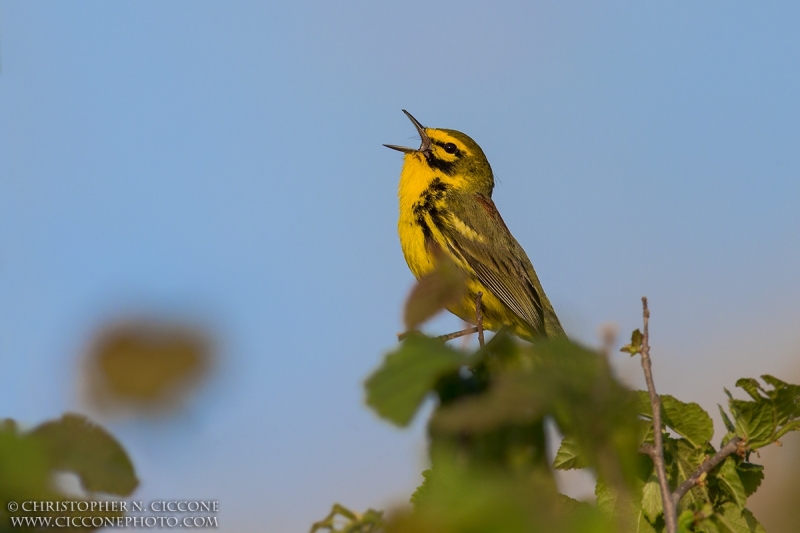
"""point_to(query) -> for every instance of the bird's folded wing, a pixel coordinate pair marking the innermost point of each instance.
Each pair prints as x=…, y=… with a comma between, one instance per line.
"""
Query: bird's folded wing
x=480, y=238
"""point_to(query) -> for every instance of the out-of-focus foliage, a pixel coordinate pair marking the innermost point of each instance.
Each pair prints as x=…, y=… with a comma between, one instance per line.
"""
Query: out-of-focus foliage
x=29, y=461
x=343, y=520
x=489, y=469
x=443, y=286
x=146, y=366
x=489, y=463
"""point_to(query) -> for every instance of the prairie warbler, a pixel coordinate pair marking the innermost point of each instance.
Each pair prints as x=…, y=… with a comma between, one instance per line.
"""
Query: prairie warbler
x=446, y=206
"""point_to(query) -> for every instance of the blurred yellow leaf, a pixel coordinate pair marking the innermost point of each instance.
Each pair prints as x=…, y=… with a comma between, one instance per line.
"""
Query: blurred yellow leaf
x=147, y=365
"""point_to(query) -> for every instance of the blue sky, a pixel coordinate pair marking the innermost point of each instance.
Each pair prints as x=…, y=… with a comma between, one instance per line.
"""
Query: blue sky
x=221, y=163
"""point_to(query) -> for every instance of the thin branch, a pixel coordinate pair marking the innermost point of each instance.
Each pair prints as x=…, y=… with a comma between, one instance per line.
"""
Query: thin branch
x=457, y=334
x=445, y=338
x=708, y=465
x=647, y=449
x=670, y=517
x=479, y=317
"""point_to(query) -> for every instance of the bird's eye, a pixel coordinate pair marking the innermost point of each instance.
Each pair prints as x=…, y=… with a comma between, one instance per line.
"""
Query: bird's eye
x=450, y=148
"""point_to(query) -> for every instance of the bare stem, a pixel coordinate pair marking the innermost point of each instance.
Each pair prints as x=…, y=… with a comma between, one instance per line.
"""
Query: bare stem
x=670, y=517
x=479, y=317
x=708, y=465
x=445, y=338
x=457, y=334
x=648, y=450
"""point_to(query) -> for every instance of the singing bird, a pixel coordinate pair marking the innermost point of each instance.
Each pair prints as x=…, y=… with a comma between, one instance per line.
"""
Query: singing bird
x=446, y=207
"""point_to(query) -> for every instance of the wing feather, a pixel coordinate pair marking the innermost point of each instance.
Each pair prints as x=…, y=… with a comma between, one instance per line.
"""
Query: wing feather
x=496, y=258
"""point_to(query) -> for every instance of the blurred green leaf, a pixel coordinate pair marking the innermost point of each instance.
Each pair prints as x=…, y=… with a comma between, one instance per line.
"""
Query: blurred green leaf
x=685, y=522
x=29, y=461
x=422, y=492
x=76, y=445
x=569, y=382
x=396, y=390
x=568, y=456
x=24, y=467
x=511, y=399
x=458, y=499
x=370, y=521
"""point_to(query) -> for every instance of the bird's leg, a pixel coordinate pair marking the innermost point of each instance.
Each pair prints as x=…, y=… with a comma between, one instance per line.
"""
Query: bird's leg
x=479, y=317
x=478, y=328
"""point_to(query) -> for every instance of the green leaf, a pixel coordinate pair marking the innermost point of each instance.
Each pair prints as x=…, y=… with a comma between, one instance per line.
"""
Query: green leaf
x=682, y=459
x=370, y=521
x=511, y=399
x=423, y=491
x=729, y=480
x=751, y=476
x=651, y=499
x=76, y=445
x=792, y=426
x=731, y=519
x=24, y=466
x=685, y=522
x=396, y=390
x=771, y=414
x=785, y=398
x=606, y=498
x=627, y=516
x=688, y=420
x=458, y=498
x=568, y=456
x=754, y=421
x=645, y=431
x=564, y=380
x=636, y=343
x=751, y=386
x=726, y=420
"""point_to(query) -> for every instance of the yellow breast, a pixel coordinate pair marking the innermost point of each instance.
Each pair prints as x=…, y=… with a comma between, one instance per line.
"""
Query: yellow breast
x=414, y=180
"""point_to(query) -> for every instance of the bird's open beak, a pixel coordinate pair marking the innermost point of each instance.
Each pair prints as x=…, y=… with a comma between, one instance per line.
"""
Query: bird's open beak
x=425, y=147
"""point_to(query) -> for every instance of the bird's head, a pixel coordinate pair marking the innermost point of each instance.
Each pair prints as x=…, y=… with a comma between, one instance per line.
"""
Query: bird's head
x=451, y=155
